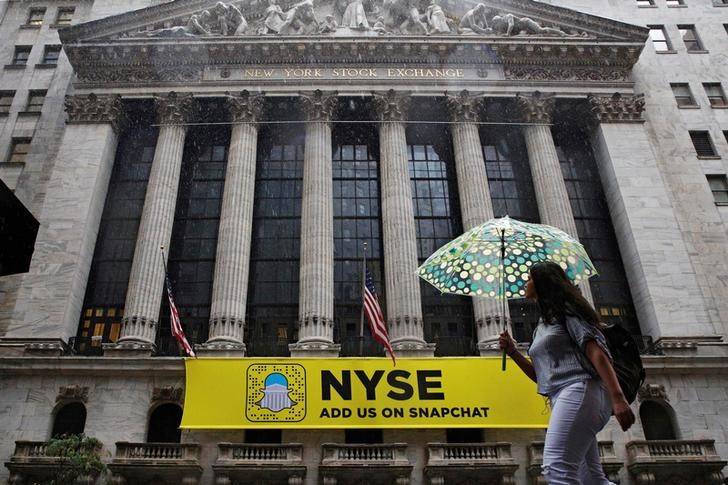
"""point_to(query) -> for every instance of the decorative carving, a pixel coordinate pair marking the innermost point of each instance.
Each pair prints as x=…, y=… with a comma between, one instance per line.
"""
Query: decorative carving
x=436, y=19
x=228, y=19
x=329, y=25
x=475, y=21
x=508, y=25
x=73, y=393
x=92, y=108
x=392, y=105
x=274, y=19
x=245, y=108
x=224, y=19
x=536, y=108
x=558, y=73
x=174, y=109
x=465, y=107
x=139, y=74
x=301, y=19
x=196, y=25
x=354, y=16
x=652, y=391
x=402, y=16
x=318, y=106
x=617, y=108
x=167, y=393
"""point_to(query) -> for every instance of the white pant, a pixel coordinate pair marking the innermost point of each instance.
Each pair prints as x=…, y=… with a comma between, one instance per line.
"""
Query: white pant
x=571, y=454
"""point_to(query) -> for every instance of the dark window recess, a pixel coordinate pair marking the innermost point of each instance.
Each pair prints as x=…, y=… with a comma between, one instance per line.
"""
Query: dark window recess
x=65, y=15
x=645, y=3
x=464, y=435
x=675, y=3
x=448, y=319
x=657, y=421
x=363, y=436
x=164, y=424
x=357, y=219
x=18, y=229
x=683, y=95
x=194, y=235
x=19, y=148
x=512, y=193
x=6, y=101
x=264, y=436
x=690, y=38
x=276, y=242
x=702, y=143
x=21, y=54
x=715, y=94
x=108, y=279
x=70, y=419
x=35, y=17
x=612, y=297
x=659, y=38
x=35, y=101
x=719, y=187
x=51, y=54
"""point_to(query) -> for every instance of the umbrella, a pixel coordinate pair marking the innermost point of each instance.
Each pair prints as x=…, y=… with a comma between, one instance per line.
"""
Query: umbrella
x=493, y=260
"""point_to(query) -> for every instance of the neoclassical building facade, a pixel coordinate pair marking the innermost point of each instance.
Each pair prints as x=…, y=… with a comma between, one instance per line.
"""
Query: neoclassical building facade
x=263, y=150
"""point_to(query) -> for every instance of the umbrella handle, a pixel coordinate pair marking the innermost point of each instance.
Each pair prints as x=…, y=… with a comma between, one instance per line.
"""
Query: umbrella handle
x=503, y=366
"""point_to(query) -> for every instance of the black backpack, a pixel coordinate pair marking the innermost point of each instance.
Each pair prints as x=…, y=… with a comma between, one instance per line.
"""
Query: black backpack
x=626, y=358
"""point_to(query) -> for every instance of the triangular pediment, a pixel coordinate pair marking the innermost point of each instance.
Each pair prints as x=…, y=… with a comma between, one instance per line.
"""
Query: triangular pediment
x=188, y=20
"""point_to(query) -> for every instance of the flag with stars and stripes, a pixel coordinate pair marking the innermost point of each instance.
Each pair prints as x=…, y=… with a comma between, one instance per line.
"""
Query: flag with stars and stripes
x=177, y=331
x=373, y=311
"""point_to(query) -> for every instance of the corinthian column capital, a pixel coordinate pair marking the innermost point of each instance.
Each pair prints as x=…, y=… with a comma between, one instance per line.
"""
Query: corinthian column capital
x=392, y=105
x=318, y=105
x=244, y=107
x=617, y=108
x=92, y=108
x=464, y=107
x=174, y=108
x=536, y=108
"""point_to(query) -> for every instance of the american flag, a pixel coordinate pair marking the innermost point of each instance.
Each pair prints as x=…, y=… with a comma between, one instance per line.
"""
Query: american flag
x=374, y=313
x=177, y=331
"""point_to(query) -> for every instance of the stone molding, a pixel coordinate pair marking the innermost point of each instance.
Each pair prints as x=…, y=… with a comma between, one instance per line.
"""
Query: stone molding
x=392, y=105
x=465, y=107
x=566, y=73
x=174, y=108
x=93, y=108
x=168, y=394
x=318, y=105
x=652, y=391
x=617, y=108
x=72, y=393
x=536, y=108
x=245, y=107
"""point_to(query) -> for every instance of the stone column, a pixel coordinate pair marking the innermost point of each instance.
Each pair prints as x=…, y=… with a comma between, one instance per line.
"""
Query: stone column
x=663, y=282
x=316, y=293
x=50, y=295
x=146, y=281
x=475, y=202
x=230, y=286
x=404, y=306
x=548, y=181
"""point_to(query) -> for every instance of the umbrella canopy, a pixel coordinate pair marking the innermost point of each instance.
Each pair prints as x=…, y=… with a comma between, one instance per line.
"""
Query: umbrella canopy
x=472, y=263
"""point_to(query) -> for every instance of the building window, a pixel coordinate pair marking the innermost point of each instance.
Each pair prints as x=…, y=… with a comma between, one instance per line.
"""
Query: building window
x=715, y=94
x=50, y=55
x=21, y=54
x=719, y=187
x=35, y=17
x=6, y=101
x=69, y=419
x=683, y=95
x=19, y=149
x=363, y=436
x=690, y=38
x=264, y=436
x=658, y=421
x=703, y=144
x=164, y=424
x=675, y=3
x=65, y=15
x=659, y=38
x=645, y=3
x=35, y=101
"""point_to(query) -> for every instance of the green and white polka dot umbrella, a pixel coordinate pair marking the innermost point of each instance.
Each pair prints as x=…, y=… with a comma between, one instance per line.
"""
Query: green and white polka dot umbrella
x=493, y=260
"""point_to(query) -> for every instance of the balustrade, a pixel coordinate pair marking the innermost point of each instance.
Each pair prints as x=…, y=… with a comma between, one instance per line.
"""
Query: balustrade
x=696, y=461
x=264, y=463
x=474, y=461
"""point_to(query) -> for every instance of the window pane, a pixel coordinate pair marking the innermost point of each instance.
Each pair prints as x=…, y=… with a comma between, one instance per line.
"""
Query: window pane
x=702, y=143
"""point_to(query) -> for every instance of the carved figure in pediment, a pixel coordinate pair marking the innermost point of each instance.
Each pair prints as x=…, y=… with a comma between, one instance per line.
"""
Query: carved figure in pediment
x=274, y=18
x=436, y=19
x=509, y=24
x=229, y=20
x=403, y=16
x=475, y=21
x=379, y=25
x=329, y=25
x=301, y=19
x=196, y=25
x=354, y=16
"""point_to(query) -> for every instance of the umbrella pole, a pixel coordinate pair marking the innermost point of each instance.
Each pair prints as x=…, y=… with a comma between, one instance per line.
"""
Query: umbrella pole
x=503, y=291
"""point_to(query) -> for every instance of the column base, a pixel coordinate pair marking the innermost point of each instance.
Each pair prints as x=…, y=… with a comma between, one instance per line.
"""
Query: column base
x=490, y=348
x=411, y=349
x=18, y=347
x=220, y=348
x=130, y=348
x=315, y=348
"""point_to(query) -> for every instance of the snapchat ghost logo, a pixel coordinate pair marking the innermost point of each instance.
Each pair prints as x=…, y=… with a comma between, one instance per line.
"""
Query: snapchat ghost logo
x=276, y=392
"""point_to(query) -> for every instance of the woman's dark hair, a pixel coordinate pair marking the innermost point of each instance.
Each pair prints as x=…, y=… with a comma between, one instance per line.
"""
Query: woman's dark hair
x=557, y=296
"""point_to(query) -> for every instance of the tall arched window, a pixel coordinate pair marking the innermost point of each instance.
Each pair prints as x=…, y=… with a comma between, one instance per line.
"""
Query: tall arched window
x=164, y=424
x=658, y=421
x=70, y=419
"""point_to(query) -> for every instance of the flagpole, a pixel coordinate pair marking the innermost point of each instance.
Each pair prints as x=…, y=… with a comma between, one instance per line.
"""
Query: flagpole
x=361, y=317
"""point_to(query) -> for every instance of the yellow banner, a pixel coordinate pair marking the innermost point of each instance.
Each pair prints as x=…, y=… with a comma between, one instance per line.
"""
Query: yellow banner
x=446, y=392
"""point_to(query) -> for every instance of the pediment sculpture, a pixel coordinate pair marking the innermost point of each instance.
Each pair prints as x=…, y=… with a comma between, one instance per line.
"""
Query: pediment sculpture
x=355, y=17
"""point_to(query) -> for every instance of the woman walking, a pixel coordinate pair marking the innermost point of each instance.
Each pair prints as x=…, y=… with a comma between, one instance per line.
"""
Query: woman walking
x=571, y=364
